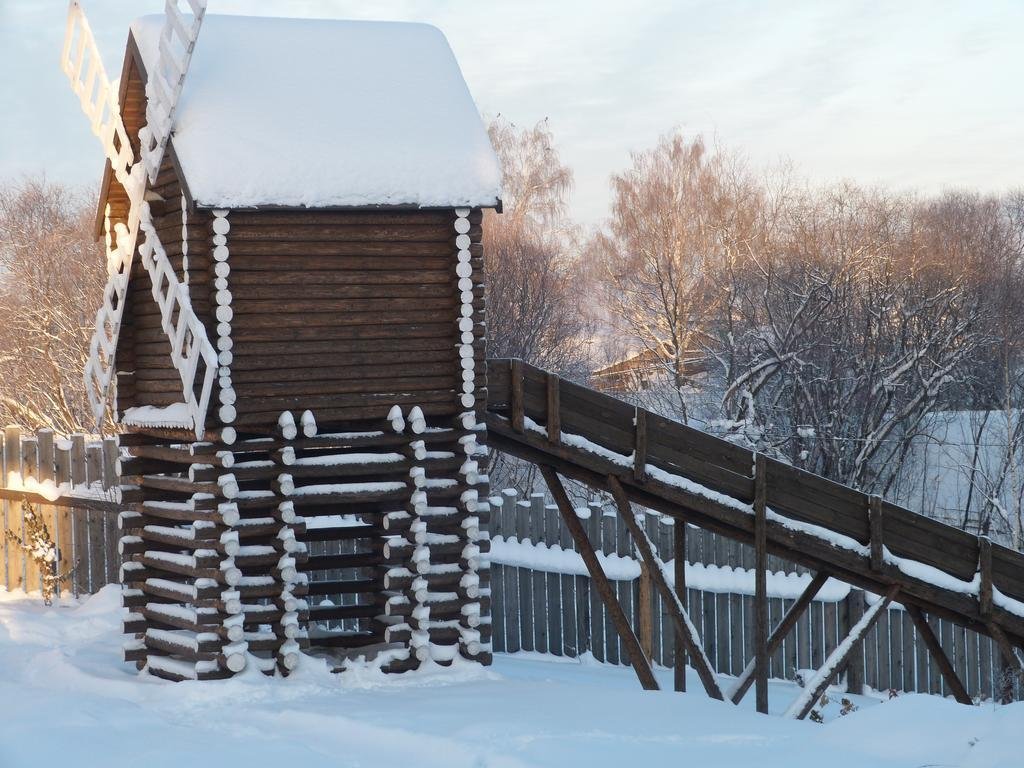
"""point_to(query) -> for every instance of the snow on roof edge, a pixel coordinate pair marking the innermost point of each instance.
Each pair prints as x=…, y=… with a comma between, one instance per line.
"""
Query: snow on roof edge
x=420, y=145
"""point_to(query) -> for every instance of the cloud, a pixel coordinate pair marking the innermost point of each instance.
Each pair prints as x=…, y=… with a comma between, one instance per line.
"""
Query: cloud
x=911, y=94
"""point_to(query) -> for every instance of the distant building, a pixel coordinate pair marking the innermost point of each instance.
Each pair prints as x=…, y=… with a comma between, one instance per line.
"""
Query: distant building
x=645, y=369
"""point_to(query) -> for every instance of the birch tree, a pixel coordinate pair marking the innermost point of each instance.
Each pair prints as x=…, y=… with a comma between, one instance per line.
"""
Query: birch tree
x=52, y=274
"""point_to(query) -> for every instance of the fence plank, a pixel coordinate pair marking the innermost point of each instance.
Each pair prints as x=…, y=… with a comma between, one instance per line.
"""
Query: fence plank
x=514, y=616
x=94, y=519
x=11, y=509
x=554, y=582
x=538, y=579
x=526, y=636
x=79, y=524
x=570, y=630
x=111, y=481
x=597, y=616
x=608, y=544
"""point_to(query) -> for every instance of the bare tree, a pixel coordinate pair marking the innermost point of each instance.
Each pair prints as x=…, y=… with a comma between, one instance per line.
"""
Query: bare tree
x=535, y=308
x=51, y=280
x=681, y=216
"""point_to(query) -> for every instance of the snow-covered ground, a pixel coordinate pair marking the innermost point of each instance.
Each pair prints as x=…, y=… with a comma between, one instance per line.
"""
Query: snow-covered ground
x=67, y=699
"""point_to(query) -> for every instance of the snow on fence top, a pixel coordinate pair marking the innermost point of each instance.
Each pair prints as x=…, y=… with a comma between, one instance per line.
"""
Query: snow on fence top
x=315, y=113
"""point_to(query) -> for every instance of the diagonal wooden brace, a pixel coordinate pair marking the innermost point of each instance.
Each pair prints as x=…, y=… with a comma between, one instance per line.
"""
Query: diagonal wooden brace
x=785, y=626
x=816, y=686
x=604, y=588
x=925, y=633
x=1011, y=660
x=684, y=627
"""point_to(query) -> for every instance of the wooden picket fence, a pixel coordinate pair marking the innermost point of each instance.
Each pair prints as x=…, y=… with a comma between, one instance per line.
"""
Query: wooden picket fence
x=533, y=610
x=559, y=613
x=86, y=539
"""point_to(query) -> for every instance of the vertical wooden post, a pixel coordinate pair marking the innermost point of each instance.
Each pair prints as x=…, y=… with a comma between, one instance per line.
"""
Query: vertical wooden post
x=760, y=583
x=111, y=483
x=12, y=511
x=644, y=612
x=31, y=577
x=679, y=562
x=79, y=475
x=854, y=605
x=45, y=473
x=877, y=532
x=94, y=520
x=640, y=446
x=65, y=536
x=516, y=387
x=600, y=581
x=552, y=383
x=985, y=569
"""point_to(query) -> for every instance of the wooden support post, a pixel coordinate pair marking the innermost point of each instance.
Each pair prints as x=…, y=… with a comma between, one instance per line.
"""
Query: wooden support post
x=816, y=686
x=785, y=626
x=684, y=627
x=761, y=653
x=640, y=446
x=925, y=633
x=518, y=415
x=1011, y=662
x=600, y=581
x=14, y=556
x=985, y=569
x=644, y=611
x=877, y=532
x=552, y=384
x=854, y=605
x=679, y=560
x=44, y=440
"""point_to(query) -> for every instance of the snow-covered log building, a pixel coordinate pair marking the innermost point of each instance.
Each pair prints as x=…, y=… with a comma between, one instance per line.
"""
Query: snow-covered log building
x=293, y=339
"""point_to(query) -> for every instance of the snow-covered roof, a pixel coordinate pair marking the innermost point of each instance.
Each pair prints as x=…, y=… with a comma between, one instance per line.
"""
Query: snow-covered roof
x=317, y=113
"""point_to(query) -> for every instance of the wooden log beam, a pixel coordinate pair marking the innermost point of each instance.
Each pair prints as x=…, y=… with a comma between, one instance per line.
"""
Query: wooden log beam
x=816, y=686
x=925, y=633
x=684, y=627
x=600, y=580
x=784, y=627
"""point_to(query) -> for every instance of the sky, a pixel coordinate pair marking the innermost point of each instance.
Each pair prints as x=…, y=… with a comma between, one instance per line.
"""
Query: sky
x=908, y=95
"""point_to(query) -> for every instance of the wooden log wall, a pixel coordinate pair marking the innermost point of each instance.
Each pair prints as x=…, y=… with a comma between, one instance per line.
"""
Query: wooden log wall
x=558, y=613
x=349, y=411
x=349, y=313
x=146, y=372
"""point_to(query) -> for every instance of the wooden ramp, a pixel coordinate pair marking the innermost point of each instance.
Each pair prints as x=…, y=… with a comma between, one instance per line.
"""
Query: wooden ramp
x=644, y=459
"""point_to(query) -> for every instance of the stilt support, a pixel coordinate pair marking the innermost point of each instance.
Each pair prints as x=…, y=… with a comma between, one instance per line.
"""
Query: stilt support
x=925, y=633
x=600, y=580
x=746, y=678
x=816, y=686
x=684, y=627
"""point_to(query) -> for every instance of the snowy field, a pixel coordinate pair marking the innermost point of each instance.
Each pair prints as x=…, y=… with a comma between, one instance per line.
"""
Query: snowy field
x=67, y=699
